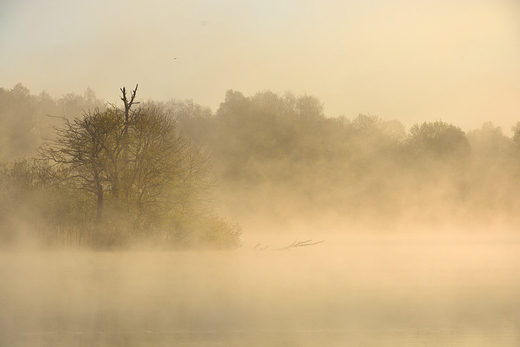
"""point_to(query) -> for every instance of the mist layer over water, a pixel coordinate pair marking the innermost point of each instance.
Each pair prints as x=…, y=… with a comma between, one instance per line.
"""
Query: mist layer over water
x=371, y=291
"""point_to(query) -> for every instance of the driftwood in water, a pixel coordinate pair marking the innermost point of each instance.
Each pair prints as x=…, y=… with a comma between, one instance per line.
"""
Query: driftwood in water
x=295, y=244
x=301, y=244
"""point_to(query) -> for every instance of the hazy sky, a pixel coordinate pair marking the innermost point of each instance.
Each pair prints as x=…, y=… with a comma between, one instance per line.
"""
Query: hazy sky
x=412, y=60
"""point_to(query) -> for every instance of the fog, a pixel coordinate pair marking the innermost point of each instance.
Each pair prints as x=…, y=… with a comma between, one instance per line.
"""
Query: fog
x=264, y=223
x=328, y=230
x=362, y=291
x=411, y=60
x=283, y=174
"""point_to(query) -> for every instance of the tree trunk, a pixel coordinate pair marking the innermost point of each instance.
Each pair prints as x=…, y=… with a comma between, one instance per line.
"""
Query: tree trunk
x=99, y=207
x=125, y=142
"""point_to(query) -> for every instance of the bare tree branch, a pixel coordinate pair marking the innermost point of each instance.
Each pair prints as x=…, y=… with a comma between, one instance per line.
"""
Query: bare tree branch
x=305, y=243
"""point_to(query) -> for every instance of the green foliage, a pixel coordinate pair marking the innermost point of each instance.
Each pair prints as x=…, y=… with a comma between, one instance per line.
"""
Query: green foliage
x=114, y=176
x=35, y=206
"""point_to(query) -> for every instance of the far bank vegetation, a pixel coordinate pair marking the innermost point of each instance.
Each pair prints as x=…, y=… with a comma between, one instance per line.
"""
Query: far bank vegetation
x=157, y=172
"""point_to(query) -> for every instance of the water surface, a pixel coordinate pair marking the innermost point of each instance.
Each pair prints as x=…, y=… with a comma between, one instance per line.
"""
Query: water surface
x=363, y=292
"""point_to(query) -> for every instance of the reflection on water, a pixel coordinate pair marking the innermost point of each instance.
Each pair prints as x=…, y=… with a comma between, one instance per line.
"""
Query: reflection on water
x=367, y=292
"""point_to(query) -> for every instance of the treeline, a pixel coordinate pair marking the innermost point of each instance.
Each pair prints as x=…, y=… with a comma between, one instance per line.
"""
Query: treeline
x=266, y=157
x=282, y=159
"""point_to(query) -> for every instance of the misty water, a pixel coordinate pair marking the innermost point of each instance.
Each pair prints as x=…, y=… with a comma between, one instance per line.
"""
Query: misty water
x=371, y=291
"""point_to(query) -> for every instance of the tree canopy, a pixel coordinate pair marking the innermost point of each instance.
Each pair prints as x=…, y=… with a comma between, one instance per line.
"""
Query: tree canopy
x=136, y=178
x=153, y=171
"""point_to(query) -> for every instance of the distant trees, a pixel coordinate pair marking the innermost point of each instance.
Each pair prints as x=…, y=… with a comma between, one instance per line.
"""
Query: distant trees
x=289, y=159
x=16, y=131
x=439, y=139
x=113, y=175
x=265, y=128
x=516, y=133
x=489, y=141
x=24, y=121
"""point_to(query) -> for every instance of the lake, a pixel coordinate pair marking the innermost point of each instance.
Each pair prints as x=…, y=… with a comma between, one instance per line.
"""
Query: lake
x=370, y=291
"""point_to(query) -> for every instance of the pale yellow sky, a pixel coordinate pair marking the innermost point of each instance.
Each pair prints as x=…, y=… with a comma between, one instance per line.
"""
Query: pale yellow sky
x=411, y=60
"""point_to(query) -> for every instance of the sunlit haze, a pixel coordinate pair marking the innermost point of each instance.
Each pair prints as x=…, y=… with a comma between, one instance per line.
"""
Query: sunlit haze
x=243, y=173
x=414, y=61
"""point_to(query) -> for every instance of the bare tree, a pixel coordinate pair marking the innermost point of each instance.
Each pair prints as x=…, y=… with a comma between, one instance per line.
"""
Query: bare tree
x=134, y=159
x=80, y=153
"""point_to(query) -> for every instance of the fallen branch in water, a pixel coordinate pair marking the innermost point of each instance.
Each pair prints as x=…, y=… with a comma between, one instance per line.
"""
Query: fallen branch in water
x=295, y=244
x=301, y=244
x=259, y=248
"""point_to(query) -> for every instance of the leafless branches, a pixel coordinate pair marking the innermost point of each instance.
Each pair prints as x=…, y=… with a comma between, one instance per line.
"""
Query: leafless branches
x=295, y=244
x=135, y=159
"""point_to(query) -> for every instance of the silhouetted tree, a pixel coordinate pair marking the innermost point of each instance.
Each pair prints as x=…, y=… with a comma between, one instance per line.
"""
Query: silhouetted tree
x=137, y=162
x=490, y=141
x=439, y=139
